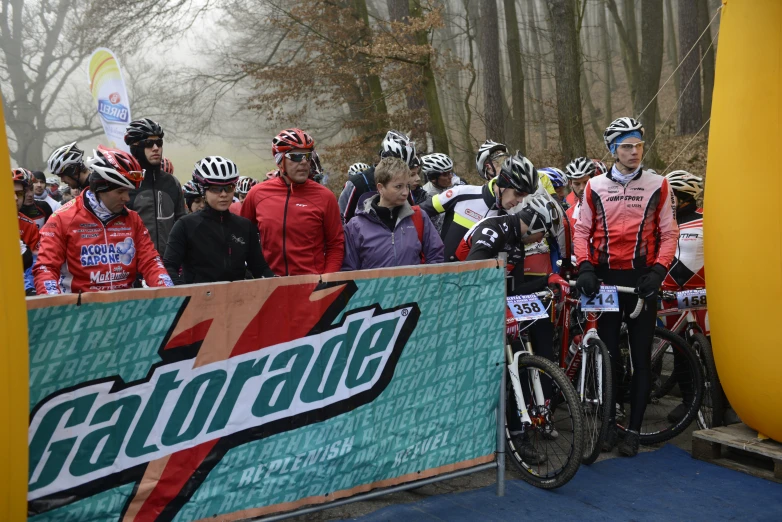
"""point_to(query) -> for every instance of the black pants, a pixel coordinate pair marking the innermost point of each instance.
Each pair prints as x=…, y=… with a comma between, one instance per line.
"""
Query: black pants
x=641, y=334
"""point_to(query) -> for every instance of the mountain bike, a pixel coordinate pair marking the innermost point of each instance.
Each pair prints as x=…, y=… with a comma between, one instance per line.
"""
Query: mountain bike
x=585, y=359
x=544, y=430
x=685, y=305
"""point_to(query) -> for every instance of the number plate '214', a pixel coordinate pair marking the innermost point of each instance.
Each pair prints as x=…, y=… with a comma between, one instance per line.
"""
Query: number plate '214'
x=606, y=301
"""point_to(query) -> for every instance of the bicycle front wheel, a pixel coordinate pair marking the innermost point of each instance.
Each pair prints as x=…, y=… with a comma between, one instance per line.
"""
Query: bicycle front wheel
x=596, y=398
x=677, y=389
x=710, y=412
x=547, y=450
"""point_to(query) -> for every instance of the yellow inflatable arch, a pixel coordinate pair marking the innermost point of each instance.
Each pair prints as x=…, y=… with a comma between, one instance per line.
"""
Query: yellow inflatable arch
x=742, y=217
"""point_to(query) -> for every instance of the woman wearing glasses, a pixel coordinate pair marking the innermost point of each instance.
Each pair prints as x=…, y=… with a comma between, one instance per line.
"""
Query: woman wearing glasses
x=213, y=244
x=298, y=219
x=626, y=234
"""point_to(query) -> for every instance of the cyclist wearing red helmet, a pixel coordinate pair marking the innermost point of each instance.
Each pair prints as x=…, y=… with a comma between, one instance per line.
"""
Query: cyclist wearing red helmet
x=94, y=243
x=298, y=219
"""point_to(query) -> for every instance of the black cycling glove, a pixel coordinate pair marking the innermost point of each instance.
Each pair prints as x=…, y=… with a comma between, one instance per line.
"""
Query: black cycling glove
x=587, y=282
x=649, y=284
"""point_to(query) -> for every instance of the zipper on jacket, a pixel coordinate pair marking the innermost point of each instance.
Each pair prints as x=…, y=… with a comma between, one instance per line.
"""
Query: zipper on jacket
x=154, y=199
x=106, y=239
x=222, y=230
x=284, y=224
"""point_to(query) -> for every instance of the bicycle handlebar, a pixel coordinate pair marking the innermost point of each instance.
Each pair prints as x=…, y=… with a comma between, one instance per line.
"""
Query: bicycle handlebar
x=625, y=290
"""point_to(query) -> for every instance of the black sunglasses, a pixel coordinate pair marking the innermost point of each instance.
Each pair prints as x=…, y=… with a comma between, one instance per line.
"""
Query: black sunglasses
x=148, y=144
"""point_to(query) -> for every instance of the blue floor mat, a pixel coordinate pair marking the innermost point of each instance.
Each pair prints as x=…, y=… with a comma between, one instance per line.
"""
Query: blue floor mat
x=666, y=484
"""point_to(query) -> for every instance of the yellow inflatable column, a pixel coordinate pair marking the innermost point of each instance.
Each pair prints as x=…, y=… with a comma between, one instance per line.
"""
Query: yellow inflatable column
x=742, y=226
x=14, y=372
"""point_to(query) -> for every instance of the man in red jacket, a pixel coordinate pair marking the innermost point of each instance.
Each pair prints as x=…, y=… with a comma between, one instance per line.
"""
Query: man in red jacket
x=298, y=219
x=94, y=243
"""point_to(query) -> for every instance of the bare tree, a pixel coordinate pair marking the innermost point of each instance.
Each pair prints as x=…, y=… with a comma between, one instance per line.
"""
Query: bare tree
x=629, y=44
x=707, y=54
x=605, y=47
x=673, y=53
x=518, y=137
x=645, y=106
x=567, y=71
x=690, y=110
x=537, y=73
x=493, y=100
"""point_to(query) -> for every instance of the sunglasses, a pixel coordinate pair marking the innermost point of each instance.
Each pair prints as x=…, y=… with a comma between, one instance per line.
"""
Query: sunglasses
x=219, y=189
x=148, y=144
x=298, y=157
x=627, y=147
x=136, y=176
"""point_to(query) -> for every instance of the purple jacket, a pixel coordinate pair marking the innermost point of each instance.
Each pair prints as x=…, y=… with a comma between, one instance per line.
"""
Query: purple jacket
x=369, y=244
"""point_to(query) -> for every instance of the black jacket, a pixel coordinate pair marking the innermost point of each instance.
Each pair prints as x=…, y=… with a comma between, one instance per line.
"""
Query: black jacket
x=211, y=246
x=160, y=203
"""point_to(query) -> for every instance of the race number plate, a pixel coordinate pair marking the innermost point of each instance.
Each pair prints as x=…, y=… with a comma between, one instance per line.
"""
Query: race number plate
x=606, y=301
x=691, y=298
x=527, y=307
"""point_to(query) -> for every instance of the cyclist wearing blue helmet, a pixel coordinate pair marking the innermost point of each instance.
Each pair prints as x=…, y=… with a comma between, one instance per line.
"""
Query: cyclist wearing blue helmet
x=558, y=181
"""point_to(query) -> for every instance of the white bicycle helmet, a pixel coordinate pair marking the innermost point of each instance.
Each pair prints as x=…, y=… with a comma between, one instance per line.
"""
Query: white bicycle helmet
x=683, y=181
x=600, y=167
x=488, y=151
x=64, y=158
x=192, y=189
x=621, y=126
x=215, y=170
x=357, y=168
x=52, y=181
x=546, y=215
x=581, y=167
x=519, y=173
x=433, y=165
x=244, y=184
x=398, y=145
x=112, y=168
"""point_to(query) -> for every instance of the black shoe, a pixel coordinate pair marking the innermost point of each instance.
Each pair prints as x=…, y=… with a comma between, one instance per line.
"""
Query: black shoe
x=629, y=446
x=612, y=437
x=678, y=413
x=524, y=447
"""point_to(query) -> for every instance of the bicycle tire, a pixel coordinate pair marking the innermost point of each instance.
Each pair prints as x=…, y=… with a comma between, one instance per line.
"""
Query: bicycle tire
x=664, y=397
x=596, y=404
x=711, y=410
x=566, y=417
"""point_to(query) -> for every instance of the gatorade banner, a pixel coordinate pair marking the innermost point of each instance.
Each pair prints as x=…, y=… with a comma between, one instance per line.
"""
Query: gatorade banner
x=108, y=91
x=238, y=400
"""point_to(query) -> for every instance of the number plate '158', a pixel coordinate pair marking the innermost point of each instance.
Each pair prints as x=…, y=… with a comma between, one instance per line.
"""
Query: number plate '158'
x=691, y=298
x=606, y=301
x=527, y=307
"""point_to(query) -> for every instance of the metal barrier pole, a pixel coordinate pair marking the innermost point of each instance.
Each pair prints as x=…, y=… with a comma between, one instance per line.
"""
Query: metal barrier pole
x=501, y=438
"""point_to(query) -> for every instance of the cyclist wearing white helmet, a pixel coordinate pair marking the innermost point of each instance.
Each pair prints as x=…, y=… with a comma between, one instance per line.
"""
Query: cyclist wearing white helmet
x=194, y=196
x=67, y=162
x=489, y=159
x=626, y=235
x=395, y=144
x=687, y=270
x=579, y=172
x=215, y=245
x=358, y=167
x=465, y=205
x=243, y=186
x=438, y=170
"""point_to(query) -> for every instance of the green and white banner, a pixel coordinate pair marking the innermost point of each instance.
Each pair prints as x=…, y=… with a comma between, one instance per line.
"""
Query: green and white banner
x=243, y=399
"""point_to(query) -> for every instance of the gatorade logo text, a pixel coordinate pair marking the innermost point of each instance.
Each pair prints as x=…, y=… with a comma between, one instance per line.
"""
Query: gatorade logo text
x=98, y=435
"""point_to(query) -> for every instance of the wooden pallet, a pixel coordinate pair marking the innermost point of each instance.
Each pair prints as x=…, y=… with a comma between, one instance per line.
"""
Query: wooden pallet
x=737, y=447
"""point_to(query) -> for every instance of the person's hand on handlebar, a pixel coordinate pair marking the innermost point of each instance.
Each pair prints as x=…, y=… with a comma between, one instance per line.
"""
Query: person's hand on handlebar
x=649, y=284
x=587, y=282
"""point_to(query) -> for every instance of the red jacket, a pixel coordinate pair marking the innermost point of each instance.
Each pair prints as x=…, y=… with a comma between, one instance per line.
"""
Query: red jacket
x=28, y=232
x=236, y=208
x=79, y=254
x=627, y=226
x=300, y=226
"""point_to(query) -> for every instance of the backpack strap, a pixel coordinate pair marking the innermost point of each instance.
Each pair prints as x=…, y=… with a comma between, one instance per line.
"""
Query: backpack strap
x=418, y=221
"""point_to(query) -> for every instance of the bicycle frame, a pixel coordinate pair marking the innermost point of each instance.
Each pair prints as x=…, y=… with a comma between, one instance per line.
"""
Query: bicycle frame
x=686, y=323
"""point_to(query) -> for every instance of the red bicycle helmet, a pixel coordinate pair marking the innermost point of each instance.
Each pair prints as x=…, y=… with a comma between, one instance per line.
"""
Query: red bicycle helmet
x=23, y=176
x=114, y=167
x=166, y=166
x=290, y=139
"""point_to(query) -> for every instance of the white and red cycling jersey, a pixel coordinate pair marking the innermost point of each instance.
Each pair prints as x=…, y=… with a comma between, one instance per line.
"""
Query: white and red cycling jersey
x=626, y=226
x=687, y=270
x=79, y=253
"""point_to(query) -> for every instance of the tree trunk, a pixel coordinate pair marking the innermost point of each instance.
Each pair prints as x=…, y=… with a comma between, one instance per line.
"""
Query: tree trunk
x=567, y=73
x=673, y=54
x=651, y=65
x=492, y=93
x=707, y=52
x=540, y=114
x=454, y=109
x=628, y=41
x=518, y=137
x=471, y=84
x=690, y=110
x=607, y=64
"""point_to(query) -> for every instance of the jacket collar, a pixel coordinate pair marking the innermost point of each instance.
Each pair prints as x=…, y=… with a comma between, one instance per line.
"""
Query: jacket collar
x=215, y=214
x=367, y=211
x=637, y=175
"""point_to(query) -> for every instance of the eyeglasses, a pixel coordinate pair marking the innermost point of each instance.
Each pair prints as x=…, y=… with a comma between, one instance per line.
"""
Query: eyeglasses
x=298, y=157
x=219, y=189
x=627, y=147
x=148, y=144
